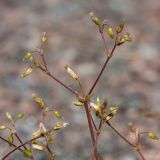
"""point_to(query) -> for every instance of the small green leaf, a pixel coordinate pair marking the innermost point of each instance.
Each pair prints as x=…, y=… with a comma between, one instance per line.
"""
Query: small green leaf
x=152, y=136
x=3, y=127
x=21, y=115
x=27, y=153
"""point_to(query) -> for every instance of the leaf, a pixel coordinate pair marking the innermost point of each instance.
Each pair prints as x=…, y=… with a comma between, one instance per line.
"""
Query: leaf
x=57, y=114
x=38, y=147
x=21, y=115
x=110, y=32
x=27, y=72
x=71, y=73
x=27, y=153
x=3, y=127
x=152, y=136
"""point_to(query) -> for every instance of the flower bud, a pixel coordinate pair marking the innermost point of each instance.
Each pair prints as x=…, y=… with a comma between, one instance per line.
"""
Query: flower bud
x=44, y=38
x=110, y=32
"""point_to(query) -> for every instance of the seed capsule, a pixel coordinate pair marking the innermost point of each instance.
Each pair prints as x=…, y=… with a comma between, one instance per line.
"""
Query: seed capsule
x=110, y=32
x=44, y=38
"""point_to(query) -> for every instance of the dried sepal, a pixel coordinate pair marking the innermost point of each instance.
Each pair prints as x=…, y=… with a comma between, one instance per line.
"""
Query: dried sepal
x=73, y=75
x=52, y=156
x=108, y=117
x=60, y=125
x=127, y=37
x=28, y=153
x=38, y=147
x=57, y=114
x=119, y=28
x=79, y=104
x=28, y=56
x=113, y=109
x=20, y=116
x=94, y=18
x=42, y=129
x=98, y=101
x=44, y=38
x=37, y=63
x=120, y=42
x=96, y=107
x=110, y=32
x=152, y=136
x=104, y=104
x=27, y=72
x=3, y=127
x=132, y=128
x=36, y=133
x=50, y=138
x=38, y=100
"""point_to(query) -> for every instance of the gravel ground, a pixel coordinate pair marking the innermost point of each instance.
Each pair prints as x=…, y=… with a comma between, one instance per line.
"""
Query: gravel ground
x=131, y=80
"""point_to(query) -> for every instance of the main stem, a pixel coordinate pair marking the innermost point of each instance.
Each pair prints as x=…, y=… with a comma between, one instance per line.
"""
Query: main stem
x=91, y=129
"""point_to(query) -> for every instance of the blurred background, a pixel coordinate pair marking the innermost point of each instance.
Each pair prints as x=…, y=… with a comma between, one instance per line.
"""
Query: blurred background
x=131, y=80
